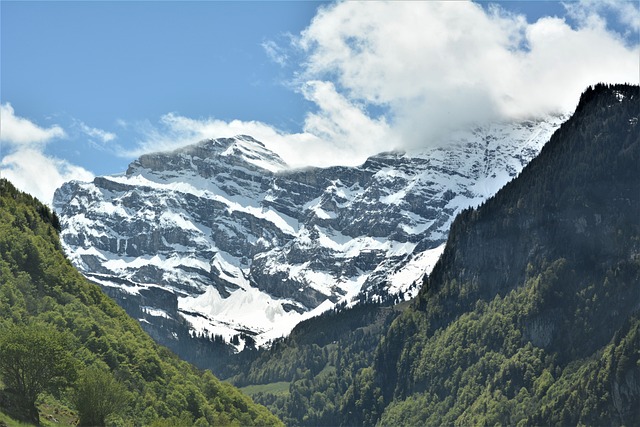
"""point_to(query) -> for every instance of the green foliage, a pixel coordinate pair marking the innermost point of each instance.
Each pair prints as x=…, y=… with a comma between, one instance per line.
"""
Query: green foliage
x=38, y=286
x=588, y=392
x=97, y=395
x=521, y=390
x=33, y=359
x=280, y=387
x=318, y=363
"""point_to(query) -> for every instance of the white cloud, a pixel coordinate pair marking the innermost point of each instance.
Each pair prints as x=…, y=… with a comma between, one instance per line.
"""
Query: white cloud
x=39, y=175
x=426, y=68
x=17, y=130
x=340, y=132
x=440, y=65
x=100, y=134
x=176, y=131
x=345, y=128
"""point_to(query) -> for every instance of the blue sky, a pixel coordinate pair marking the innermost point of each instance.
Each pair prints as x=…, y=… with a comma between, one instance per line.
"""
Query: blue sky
x=85, y=87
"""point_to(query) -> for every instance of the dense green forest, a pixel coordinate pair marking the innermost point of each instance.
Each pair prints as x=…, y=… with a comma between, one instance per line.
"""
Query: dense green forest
x=69, y=352
x=531, y=316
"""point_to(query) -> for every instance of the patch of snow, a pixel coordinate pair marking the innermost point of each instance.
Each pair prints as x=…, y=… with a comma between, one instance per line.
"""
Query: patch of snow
x=414, y=270
x=173, y=219
x=244, y=309
x=489, y=185
x=155, y=312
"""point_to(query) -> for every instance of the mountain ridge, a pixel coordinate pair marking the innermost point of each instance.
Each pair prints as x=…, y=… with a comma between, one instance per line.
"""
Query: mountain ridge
x=295, y=242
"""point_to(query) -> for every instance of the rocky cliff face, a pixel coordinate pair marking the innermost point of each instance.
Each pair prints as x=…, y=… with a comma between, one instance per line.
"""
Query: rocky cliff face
x=223, y=235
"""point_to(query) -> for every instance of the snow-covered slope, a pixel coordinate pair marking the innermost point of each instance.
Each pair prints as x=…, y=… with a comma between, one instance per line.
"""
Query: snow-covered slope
x=237, y=243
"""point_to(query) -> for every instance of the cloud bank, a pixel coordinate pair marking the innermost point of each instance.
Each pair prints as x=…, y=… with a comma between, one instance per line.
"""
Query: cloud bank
x=402, y=75
x=382, y=76
x=435, y=66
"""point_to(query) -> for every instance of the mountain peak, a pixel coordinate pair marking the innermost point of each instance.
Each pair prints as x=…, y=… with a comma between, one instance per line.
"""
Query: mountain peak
x=255, y=153
x=240, y=151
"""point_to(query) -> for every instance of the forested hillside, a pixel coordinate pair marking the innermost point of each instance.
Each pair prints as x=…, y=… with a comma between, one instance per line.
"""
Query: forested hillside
x=307, y=377
x=65, y=345
x=530, y=317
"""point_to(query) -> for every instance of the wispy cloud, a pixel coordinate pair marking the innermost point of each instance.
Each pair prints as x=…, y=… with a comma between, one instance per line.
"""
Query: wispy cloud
x=101, y=135
x=275, y=52
x=588, y=12
x=38, y=174
x=19, y=131
x=340, y=132
x=174, y=131
x=347, y=130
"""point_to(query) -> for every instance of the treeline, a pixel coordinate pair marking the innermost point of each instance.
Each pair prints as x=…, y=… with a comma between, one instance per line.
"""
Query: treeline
x=320, y=361
x=62, y=338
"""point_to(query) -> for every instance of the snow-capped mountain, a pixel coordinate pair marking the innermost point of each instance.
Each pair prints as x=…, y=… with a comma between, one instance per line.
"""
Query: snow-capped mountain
x=224, y=235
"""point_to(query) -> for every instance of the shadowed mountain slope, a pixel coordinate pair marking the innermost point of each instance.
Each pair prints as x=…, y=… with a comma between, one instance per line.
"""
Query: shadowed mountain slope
x=531, y=314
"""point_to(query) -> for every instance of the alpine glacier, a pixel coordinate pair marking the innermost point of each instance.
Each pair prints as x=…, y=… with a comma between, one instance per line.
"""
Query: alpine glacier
x=224, y=235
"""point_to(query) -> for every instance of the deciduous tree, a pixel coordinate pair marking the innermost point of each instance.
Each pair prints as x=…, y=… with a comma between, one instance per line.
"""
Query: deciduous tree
x=34, y=358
